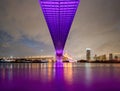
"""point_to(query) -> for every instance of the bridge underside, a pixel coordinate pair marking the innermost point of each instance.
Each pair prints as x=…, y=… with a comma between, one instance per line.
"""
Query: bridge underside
x=59, y=15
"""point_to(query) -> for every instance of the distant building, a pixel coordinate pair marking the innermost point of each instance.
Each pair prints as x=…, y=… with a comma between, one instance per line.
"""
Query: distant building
x=88, y=54
x=101, y=57
x=110, y=56
x=104, y=58
x=95, y=57
x=116, y=58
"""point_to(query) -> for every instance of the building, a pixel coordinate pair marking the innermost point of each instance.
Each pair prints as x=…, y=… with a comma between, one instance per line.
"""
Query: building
x=88, y=54
x=110, y=56
x=101, y=57
x=116, y=58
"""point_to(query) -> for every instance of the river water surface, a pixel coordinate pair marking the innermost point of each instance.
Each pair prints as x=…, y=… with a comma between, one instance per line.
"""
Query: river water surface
x=59, y=77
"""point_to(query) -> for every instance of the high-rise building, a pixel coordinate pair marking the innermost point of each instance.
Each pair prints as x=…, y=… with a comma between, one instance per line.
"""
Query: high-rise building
x=88, y=54
x=59, y=15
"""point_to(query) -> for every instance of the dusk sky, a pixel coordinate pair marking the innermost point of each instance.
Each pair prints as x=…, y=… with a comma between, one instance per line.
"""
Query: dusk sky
x=23, y=30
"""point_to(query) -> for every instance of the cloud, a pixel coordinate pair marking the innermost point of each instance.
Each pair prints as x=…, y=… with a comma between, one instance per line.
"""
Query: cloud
x=24, y=18
x=96, y=25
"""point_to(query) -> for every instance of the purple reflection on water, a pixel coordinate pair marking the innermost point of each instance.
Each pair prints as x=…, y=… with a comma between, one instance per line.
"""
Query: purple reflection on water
x=59, y=77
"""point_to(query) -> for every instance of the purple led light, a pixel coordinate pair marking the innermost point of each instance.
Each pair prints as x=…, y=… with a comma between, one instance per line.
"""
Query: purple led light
x=59, y=15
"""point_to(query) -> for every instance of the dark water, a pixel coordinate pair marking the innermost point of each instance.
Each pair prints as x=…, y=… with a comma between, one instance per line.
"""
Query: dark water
x=59, y=77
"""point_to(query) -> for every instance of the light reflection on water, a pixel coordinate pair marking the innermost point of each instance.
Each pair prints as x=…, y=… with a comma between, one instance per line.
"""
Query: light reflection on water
x=59, y=77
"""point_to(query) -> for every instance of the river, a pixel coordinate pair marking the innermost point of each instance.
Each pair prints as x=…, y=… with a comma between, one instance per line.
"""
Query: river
x=59, y=77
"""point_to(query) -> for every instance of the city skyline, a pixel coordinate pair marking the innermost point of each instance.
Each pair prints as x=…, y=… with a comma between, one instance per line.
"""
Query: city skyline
x=23, y=30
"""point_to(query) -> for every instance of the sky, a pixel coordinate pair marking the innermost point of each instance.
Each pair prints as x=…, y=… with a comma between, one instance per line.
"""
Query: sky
x=23, y=30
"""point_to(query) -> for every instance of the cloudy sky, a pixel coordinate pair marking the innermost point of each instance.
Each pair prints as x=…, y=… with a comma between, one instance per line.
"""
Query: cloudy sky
x=23, y=31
